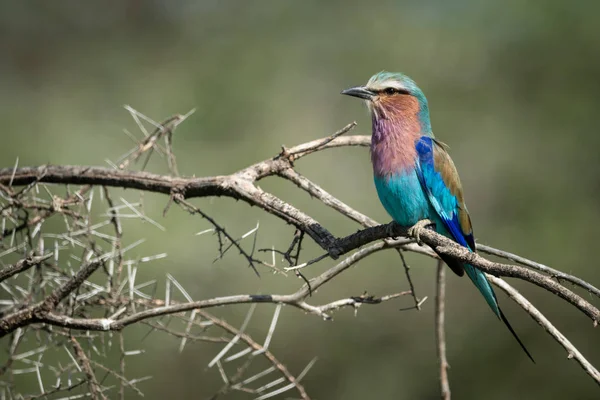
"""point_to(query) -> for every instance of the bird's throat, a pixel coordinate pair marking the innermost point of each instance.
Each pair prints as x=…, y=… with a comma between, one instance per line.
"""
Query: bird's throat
x=396, y=128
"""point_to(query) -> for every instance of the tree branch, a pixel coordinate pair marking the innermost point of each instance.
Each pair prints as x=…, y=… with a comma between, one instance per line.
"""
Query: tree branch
x=440, y=334
x=296, y=299
x=22, y=265
x=572, y=351
x=84, y=362
x=242, y=185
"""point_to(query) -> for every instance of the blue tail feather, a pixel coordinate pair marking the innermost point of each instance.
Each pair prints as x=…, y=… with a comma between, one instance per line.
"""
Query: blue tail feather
x=486, y=290
x=484, y=287
x=480, y=281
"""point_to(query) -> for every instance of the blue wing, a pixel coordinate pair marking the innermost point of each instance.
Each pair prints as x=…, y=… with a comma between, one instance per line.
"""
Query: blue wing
x=441, y=183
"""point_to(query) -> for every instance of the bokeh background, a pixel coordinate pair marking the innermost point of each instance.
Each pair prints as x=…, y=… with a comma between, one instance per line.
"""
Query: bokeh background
x=513, y=87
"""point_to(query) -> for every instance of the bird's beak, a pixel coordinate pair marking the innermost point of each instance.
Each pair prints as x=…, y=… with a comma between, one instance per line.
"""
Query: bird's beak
x=360, y=92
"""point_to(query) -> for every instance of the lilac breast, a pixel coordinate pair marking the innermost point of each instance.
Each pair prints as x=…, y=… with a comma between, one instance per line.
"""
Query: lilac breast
x=393, y=145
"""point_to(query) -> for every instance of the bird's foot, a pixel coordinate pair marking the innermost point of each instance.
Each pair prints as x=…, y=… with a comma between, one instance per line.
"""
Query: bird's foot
x=416, y=229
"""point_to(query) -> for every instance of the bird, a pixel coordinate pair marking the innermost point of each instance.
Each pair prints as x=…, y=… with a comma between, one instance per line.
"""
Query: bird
x=415, y=178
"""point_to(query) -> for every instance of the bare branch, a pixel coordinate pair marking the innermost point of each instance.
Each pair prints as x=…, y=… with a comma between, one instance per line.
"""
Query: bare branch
x=409, y=279
x=445, y=246
x=296, y=299
x=84, y=363
x=22, y=265
x=554, y=273
x=37, y=313
x=440, y=333
x=572, y=352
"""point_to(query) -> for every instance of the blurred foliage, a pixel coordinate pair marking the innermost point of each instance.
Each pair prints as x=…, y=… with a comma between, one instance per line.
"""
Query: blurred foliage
x=513, y=87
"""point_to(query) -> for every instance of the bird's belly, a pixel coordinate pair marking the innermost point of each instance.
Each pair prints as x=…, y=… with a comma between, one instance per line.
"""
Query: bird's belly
x=403, y=198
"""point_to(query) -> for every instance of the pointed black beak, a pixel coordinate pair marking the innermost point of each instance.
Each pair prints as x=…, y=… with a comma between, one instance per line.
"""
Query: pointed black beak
x=360, y=92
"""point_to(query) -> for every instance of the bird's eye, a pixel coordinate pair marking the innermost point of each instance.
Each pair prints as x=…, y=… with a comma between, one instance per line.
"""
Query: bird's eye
x=390, y=91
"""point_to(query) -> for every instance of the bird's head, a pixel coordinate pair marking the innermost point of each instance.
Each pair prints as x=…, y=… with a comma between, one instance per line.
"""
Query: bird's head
x=394, y=96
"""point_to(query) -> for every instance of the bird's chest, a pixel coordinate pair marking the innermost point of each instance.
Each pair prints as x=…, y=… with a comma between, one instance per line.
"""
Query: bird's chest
x=402, y=197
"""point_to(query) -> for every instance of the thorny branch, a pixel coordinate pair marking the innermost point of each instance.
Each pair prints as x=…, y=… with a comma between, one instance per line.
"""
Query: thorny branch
x=238, y=186
x=258, y=350
x=296, y=299
x=84, y=363
x=64, y=303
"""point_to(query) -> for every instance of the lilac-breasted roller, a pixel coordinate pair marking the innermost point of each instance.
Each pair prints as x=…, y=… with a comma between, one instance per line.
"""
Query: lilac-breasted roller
x=414, y=176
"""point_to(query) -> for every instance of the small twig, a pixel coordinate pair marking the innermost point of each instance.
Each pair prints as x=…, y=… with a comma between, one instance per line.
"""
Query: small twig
x=293, y=260
x=308, y=263
x=122, y=379
x=323, y=142
x=189, y=336
x=122, y=365
x=409, y=279
x=84, y=363
x=164, y=129
x=220, y=231
x=115, y=276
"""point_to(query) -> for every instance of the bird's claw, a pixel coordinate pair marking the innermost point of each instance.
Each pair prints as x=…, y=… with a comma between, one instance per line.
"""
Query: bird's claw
x=416, y=229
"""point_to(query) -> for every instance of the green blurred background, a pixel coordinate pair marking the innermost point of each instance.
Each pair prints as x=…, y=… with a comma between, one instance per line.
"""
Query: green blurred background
x=513, y=88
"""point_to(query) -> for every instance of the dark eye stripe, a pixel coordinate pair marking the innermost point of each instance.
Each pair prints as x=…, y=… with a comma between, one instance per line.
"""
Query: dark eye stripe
x=391, y=91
